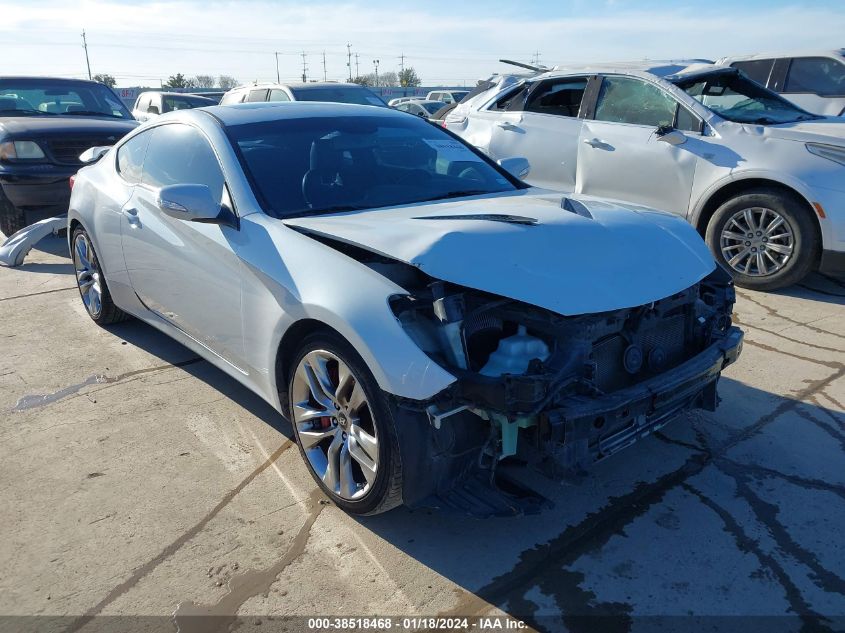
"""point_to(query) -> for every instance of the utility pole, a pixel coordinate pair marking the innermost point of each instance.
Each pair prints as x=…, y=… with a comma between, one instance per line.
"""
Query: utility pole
x=85, y=46
x=375, y=63
x=357, y=71
x=535, y=58
x=402, y=63
x=349, y=60
x=325, y=77
x=278, y=78
x=304, y=68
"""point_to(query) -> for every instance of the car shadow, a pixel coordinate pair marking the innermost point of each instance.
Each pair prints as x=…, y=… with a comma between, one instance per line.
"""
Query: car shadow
x=168, y=350
x=533, y=567
x=817, y=287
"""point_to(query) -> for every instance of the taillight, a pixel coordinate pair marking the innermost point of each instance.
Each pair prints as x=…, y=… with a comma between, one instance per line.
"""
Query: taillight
x=72, y=180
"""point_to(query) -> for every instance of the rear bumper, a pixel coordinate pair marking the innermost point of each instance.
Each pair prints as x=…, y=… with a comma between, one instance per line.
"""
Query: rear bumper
x=832, y=262
x=588, y=429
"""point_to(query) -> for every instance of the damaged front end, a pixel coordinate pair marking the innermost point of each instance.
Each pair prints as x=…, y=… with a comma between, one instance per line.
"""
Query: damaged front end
x=558, y=392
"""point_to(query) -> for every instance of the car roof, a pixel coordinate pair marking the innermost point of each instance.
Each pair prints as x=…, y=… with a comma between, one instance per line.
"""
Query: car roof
x=670, y=70
x=172, y=94
x=57, y=79
x=298, y=85
x=244, y=113
x=830, y=52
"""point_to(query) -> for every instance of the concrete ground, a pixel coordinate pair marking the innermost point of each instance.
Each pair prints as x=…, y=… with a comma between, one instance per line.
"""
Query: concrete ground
x=136, y=479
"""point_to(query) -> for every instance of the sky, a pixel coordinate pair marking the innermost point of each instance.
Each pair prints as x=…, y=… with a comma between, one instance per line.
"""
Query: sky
x=448, y=42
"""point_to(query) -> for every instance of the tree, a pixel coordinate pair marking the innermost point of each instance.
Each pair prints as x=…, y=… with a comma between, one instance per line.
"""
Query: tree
x=408, y=78
x=203, y=81
x=384, y=79
x=179, y=81
x=226, y=82
x=106, y=79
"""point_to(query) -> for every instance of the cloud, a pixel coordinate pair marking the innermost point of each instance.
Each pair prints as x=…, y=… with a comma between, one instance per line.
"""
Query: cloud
x=141, y=41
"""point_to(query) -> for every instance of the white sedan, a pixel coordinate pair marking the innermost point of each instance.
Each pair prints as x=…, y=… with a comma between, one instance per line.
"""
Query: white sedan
x=416, y=311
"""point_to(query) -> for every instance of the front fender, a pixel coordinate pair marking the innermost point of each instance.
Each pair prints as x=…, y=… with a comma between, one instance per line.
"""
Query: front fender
x=289, y=277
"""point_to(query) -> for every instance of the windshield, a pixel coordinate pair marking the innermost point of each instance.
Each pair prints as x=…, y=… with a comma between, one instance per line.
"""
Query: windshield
x=185, y=102
x=433, y=106
x=734, y=97
x=49, y=97
x=338, y=94
x=320, y=165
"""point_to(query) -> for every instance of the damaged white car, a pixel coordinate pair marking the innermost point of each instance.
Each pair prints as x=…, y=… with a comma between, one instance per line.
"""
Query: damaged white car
x=416, y=311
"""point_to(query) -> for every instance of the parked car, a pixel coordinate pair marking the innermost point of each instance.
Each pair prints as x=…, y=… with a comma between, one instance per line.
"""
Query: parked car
x=447, y=96
x=425, y=109
x=45, y=124
x=315, y=91
x=396, y=101
x=415, y=310
x=152, y=104
x=760, y=178
x=214, y=95
x=813, y=81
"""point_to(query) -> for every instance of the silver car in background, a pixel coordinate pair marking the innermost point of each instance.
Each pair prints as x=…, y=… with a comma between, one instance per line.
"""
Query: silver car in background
x=417, y=312
x=761, y=179
x=814, y=81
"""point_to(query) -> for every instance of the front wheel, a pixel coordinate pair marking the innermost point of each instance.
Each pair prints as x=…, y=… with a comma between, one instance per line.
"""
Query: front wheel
x=344, y=426
x=765, y=238
x=91, y=282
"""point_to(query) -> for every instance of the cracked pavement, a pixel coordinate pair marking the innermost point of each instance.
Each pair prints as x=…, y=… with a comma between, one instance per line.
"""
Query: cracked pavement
x=137, y=479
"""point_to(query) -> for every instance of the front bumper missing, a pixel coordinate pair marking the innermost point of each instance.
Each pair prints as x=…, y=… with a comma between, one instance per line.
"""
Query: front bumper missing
x=587, y=429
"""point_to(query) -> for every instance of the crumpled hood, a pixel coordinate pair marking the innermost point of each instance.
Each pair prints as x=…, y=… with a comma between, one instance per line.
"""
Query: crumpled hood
x=826, y=130
x=621, y=256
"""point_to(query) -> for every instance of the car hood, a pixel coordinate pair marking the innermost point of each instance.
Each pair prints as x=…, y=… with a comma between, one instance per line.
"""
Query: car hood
x=48, y=126
x=528, y=246
x=823, y=130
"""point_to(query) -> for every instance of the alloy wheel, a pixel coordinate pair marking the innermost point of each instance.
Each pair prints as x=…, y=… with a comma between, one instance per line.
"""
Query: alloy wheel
x=334, y=424
x=88, y=274
x=757, y=242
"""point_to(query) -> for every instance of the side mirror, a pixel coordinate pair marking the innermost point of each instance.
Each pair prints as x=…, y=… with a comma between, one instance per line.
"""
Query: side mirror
x=516, y=166
x=93, y=154
x=153, y=109
x=193, y=203
x=668, y=134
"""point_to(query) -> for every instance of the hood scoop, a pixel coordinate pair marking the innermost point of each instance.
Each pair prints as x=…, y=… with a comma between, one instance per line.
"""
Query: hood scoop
x=489, y=217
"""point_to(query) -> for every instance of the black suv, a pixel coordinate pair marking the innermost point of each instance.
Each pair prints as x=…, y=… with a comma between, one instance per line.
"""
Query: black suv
x=45, y=124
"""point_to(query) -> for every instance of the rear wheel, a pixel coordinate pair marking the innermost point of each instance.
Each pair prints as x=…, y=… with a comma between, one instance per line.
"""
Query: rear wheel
x=344, y=426
x=765, y=238
x=91, y=282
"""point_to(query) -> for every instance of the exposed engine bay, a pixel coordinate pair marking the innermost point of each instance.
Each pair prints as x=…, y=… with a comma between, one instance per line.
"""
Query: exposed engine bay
x=558, y=392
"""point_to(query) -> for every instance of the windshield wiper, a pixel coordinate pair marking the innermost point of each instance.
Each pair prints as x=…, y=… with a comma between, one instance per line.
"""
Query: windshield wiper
x=93, y=113
x=456, y=194
x=18, y=111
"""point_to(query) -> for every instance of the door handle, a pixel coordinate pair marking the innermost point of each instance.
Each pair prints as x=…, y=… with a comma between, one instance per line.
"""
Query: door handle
x=507, y=125
x=132, y=216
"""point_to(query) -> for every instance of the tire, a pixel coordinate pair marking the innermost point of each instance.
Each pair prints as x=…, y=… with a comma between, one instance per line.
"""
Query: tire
x=779, y=269
x=374, y=418
x=12, y=219
x=103, y=311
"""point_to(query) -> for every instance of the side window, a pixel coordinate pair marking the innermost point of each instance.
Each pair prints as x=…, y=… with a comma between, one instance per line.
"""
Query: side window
x=180, y=154
x=686, y=121
x=130, y=157
x=823, y=76
x=561, y=97
x=259, y=94
x=277, y=94
x=143, y=103
x=402, y=107
x=757, y=69
x=233, y=97
x=512, y=100
x=626, y=100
